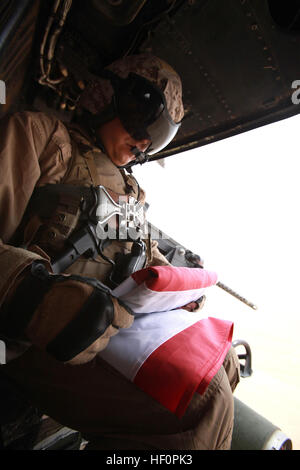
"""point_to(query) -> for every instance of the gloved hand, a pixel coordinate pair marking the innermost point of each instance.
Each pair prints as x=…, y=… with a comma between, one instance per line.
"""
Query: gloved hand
x=69, y=316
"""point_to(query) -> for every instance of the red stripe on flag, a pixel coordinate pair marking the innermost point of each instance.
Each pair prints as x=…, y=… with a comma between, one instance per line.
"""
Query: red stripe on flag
x=171, y=278
x=185, y=364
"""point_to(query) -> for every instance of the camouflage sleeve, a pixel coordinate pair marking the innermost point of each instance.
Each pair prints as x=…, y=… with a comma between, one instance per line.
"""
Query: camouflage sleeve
x=34, y=149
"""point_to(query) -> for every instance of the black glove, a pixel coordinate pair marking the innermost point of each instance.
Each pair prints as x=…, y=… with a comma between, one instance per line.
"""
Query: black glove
x=70, y=316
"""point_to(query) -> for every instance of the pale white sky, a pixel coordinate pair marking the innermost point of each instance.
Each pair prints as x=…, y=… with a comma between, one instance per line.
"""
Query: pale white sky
x=236, y=203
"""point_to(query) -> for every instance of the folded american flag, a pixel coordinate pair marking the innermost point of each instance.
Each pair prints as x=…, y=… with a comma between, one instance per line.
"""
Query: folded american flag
x=168, y=352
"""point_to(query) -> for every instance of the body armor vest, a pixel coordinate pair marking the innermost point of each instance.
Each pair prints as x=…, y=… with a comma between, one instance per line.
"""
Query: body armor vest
x=49, y=229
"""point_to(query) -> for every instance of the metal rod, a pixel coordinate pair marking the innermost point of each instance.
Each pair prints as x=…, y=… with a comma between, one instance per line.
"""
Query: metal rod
x=235, y=294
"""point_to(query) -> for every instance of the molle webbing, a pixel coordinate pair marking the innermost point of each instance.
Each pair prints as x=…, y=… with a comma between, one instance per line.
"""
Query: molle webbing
x=58, y=208
x=46, y=199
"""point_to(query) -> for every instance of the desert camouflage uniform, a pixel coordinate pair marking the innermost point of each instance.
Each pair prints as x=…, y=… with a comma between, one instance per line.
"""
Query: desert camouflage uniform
x=110, y=411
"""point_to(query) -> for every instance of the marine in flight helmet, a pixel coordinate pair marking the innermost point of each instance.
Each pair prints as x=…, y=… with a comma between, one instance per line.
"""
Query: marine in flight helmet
x=144, y=92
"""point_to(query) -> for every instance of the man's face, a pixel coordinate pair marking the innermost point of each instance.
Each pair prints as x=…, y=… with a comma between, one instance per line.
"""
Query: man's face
x=118, y=143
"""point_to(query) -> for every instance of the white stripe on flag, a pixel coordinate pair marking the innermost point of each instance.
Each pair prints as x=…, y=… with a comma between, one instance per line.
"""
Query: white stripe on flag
x=141, y=299
x=128, y=350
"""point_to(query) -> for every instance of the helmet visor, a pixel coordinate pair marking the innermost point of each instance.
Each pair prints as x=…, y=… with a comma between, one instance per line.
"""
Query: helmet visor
x=161, y=132
x=142, y=109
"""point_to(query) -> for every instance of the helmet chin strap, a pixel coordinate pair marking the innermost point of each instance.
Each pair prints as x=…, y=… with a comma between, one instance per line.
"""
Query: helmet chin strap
x=140, y=157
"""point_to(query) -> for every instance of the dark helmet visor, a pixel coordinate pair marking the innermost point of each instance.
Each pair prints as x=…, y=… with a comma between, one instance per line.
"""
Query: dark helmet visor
x=142, y=109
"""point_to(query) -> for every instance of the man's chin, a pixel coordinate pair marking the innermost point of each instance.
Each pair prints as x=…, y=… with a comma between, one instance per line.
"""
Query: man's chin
x=124, y=160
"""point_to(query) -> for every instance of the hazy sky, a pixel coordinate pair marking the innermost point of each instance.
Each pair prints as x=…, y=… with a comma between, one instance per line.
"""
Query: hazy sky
x=236, y=203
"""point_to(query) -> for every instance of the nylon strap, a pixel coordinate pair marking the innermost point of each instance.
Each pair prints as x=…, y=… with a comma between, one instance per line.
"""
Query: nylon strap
x=94, y=174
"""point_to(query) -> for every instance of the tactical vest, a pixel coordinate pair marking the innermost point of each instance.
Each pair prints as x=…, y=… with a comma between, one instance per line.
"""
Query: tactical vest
x=89, y=167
